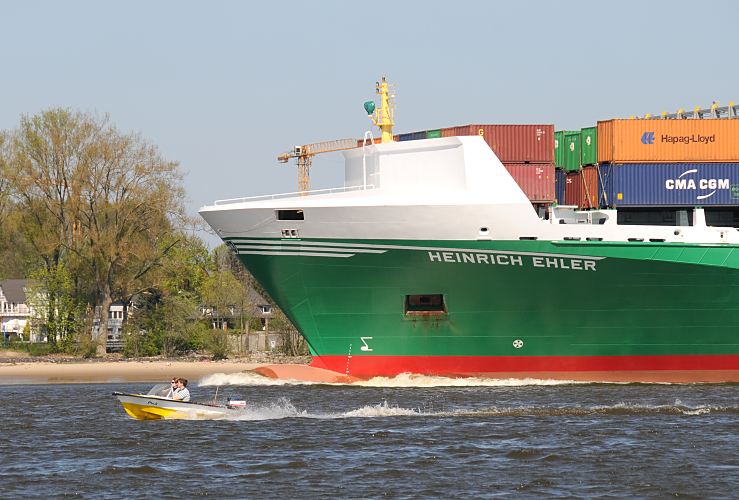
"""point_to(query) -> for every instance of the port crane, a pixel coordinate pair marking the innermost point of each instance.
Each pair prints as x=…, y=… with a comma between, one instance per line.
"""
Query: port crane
x=304, y=156
x=382, y=117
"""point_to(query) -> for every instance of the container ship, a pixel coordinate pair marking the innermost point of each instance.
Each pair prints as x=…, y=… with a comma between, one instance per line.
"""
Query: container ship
x=445, y=253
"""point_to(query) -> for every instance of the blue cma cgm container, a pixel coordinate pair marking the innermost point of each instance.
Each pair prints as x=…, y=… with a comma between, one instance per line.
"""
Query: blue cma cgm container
x=560, y=181
x=412, y=136
x=670, y=184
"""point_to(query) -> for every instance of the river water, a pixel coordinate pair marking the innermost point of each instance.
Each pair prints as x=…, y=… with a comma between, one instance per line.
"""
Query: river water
x=407, y=437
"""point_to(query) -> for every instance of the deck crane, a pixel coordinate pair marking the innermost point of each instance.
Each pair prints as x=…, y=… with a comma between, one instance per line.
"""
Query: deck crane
x=304, y=156
x=382, y=117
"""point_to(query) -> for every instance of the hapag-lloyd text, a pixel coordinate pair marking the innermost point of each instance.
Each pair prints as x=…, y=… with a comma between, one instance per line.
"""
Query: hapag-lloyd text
x=687, y=139
x=501, y=259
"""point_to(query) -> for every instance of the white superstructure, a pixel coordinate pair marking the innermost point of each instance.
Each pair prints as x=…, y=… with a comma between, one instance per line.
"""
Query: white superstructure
x=452, y=188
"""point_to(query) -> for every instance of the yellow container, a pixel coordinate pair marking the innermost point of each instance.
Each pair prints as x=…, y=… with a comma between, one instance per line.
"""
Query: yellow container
x=668, y=141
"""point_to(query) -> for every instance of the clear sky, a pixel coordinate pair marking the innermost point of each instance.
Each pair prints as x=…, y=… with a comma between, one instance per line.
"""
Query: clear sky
x=223, y=87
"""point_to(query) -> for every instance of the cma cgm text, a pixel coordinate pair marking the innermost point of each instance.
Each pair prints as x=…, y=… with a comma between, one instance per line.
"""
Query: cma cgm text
x=697, y=184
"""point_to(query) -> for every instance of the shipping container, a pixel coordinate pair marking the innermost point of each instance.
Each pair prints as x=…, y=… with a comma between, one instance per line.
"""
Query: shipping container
x=571, y=153
x=589, y=146
x=461, y=130
x=560, y=180
x=377, y=140
x=581, y=188
x=559, y=141
x=671, y=184
x=571, y=183
x=513, y=143
x=604, y=185
x=534, y=179
x=412, y=136
x=668, y=141
x=433, y=134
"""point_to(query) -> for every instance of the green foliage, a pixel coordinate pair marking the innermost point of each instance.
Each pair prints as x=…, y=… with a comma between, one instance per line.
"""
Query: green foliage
x=293, y=344
x=57, y=310
x=86, y=347
x=255, y=324
x=165, y=325
x=100, y=204
x=222, y=290
x=216, y=342
x=141, y=344
x=34, y=349
x=185, y=267
x=226, y=298
x=95, y=216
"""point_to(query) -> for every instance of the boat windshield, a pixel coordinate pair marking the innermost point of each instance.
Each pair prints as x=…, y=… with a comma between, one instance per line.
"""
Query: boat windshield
x=159, y=390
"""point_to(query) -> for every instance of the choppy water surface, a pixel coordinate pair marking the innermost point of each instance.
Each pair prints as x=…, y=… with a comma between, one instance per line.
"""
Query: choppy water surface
x=403, y=437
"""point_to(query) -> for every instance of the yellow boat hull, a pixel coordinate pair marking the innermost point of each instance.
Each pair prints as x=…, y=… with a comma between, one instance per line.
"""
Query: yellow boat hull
x=147, y=407
x=143, y=412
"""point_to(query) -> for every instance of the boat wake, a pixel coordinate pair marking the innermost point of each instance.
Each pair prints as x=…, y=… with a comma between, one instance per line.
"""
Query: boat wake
x=404, y=380
x=283, y=409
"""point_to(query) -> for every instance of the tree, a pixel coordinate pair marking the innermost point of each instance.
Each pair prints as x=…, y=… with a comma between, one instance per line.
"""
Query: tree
x=131, y=204
x=104, y=202
x=46, y=162
x=4, y=183
x=224, y=259
x=167, y=313
x=186, y=267
x=293, y=342
x=58, y=311
x=222, y=292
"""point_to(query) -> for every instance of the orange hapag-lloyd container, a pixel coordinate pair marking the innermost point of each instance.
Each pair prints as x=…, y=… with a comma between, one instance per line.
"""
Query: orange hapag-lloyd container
x=668, y=141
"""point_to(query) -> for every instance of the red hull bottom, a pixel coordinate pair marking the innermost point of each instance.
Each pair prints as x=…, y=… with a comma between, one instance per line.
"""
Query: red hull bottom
x=671, y=369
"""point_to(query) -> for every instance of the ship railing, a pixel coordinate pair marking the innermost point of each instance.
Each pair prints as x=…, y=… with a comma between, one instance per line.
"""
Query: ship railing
x=294, y=194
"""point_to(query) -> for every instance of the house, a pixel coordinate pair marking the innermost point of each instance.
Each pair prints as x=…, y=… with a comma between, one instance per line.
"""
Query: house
x=257, y=307
x=260, y=308
x=15, y=313
x=115, y=325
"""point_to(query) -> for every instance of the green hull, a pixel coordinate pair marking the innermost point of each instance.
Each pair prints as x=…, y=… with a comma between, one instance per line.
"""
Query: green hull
x=520, y=304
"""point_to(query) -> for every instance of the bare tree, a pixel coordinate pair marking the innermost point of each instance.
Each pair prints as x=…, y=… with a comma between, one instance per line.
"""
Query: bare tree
x=131, y=204
x=4, y=182
x=46, y=163
x=105, y=201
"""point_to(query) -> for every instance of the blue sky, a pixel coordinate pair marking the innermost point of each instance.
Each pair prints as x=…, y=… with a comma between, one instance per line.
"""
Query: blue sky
x=223, y=87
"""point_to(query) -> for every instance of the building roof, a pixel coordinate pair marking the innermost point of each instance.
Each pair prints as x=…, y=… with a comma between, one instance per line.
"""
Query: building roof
x=14, y=290
x=256, y=299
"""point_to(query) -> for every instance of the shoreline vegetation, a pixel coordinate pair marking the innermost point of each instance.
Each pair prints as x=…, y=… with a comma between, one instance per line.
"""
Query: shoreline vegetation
x=99, y=255
x=17, y=368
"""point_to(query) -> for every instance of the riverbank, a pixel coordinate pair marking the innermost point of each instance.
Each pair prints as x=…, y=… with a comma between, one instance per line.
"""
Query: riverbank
x=16, y=369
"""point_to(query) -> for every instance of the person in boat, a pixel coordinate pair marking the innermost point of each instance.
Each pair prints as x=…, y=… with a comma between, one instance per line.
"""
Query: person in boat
x=172, y=388
x=181, y=393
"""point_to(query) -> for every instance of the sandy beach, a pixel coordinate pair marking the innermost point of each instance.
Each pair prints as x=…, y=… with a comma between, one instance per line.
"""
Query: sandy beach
x=50, y=371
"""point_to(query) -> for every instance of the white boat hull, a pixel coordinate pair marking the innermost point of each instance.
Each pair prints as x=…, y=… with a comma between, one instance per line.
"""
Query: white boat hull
x=146, y=407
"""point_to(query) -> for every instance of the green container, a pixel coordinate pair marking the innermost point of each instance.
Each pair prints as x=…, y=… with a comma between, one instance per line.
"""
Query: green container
x=589, y=146
x=571, y=151
x=433, y=134
x=559, y=157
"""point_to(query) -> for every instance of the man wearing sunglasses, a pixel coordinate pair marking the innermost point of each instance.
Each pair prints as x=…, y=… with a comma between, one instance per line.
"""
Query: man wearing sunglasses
x=172, y=388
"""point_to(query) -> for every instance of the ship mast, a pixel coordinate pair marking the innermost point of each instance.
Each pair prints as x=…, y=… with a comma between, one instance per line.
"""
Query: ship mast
x=384, y=116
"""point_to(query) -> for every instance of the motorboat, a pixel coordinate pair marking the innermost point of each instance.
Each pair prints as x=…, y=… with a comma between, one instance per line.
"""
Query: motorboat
x=155, y=405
